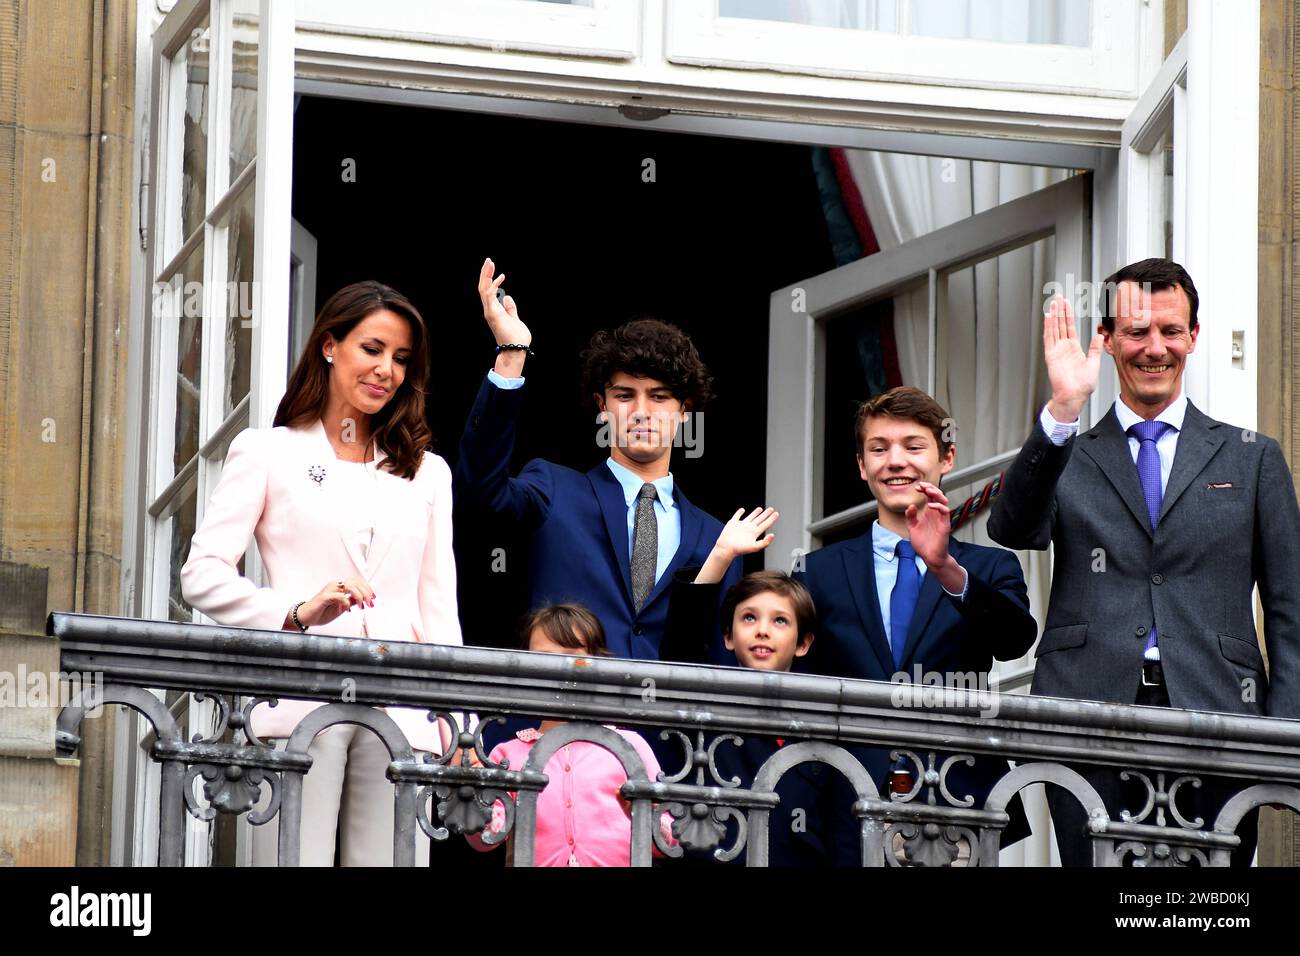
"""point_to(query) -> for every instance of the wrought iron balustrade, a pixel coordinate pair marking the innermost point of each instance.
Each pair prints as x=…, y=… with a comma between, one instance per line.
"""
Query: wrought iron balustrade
x=230, y=771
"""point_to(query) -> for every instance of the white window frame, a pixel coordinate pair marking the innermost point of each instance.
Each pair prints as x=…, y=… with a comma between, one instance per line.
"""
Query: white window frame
x=797, y=341
x=156, y=488
x=1108, y=66
x=652, y=85
x=609, y=29
x=1159, y=116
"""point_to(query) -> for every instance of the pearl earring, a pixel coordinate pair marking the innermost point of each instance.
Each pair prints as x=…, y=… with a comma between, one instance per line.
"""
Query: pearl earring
x=330, y=359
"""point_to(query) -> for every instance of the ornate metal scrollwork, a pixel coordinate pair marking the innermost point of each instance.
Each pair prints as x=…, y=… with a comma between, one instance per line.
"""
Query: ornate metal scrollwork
x=464, y=801
x=232, y=771
x=231, y=789
x=701, y=824
x=1160, y=853
x=930, y=844
x=1160, y=799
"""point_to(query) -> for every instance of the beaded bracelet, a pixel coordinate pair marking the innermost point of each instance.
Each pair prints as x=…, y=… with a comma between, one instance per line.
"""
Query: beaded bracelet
x=294, y=615
x=514, y=348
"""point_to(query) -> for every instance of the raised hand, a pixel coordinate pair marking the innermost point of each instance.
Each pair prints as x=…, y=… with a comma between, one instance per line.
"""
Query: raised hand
x=748, y=534
x=1073, y=373
x=741, y=535
x=502, y=317
x=929, y=527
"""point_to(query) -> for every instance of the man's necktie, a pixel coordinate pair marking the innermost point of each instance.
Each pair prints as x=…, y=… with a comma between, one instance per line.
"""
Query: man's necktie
x=1148, y=466
x=645, y=545
x=902, y=602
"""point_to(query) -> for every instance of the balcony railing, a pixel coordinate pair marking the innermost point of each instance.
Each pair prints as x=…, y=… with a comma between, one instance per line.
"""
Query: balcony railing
x=445, y=796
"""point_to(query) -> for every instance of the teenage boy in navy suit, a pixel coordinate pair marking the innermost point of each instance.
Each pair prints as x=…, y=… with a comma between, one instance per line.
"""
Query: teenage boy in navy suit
x=610, y=538
x=906, y=595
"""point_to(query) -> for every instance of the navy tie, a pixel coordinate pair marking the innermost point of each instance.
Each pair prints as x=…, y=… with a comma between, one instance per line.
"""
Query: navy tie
x=1148, y=466
x=902, y=602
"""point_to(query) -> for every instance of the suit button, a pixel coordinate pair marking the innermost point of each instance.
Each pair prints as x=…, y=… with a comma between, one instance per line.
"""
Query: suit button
x=477, y=419
x=637, y=630
x=1141, y=631
x=1157, y=578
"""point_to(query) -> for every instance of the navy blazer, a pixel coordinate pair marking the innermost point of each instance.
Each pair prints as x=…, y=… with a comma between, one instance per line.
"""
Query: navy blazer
x=578, y=521
x=945, y=636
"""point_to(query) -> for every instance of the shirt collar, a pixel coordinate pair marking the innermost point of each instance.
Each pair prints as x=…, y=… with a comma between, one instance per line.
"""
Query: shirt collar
x=632, y=483
x=1173, y=415
x=883, y=541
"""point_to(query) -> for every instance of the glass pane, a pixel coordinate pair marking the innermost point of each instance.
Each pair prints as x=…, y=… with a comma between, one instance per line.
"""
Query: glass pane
x=239, y=300
x=857, y=367
x=1166, y=153
x=243, y=92
x=992, y=380
x=1062, y=22
x=189, y=356
x=847, y=14
x=193, y=59
x=180, y=529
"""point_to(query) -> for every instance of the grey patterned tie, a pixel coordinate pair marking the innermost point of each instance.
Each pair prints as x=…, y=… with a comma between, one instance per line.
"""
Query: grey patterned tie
x=645, y=545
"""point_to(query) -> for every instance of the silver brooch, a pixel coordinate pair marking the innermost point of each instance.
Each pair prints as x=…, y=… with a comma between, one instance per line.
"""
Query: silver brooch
x=316, y=473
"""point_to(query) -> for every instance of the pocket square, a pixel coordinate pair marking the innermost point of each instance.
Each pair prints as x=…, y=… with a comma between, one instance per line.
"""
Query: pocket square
x=1215, y=485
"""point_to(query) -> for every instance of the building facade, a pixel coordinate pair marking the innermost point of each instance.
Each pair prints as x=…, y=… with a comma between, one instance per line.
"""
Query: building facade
x=159, y=250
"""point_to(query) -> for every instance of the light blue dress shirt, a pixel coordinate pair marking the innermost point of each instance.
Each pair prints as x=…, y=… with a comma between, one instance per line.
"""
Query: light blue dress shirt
x=668, y=518
x=500, y=381
x=1061, y=432
x=883, y=546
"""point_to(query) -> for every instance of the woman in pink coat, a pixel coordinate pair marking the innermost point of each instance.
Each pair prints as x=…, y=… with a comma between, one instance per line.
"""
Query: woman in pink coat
x=352, y=518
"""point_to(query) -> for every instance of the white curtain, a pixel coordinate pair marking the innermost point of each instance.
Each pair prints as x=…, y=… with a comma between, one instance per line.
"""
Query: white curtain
x=992, y=379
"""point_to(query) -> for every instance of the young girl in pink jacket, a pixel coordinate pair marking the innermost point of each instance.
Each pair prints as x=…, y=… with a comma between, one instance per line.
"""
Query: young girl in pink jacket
x=582, y=818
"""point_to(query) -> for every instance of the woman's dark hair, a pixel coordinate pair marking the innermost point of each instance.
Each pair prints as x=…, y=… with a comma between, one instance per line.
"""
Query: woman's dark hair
x=777, y=582
x=1155, y=275
x=568, y=625
x=399, y=428
x=651, y=349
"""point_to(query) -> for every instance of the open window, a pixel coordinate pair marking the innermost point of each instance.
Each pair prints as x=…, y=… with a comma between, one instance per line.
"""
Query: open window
x=216, y=312
x=804, y=317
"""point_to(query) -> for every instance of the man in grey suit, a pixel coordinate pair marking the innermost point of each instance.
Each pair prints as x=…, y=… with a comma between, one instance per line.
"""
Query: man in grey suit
x=1164, y=520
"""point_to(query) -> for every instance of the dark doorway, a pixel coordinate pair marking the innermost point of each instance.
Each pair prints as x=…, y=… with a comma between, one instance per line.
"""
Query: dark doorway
x=586, y=243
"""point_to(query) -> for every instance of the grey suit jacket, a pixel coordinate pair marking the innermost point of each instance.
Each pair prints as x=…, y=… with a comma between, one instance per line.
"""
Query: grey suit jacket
x=1228, y=521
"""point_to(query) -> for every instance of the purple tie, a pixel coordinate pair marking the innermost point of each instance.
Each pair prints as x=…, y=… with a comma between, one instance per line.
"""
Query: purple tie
x=1148, y=465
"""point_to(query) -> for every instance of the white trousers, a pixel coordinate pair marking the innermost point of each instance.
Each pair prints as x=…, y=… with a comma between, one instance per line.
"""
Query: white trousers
x=346, y=791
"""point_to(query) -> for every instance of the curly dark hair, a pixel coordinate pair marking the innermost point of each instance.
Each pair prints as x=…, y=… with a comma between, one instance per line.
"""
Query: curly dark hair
x=649, y=348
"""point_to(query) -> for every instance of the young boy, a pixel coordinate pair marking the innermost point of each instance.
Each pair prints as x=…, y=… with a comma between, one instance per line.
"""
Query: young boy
x=905, y=595
x=768, y=621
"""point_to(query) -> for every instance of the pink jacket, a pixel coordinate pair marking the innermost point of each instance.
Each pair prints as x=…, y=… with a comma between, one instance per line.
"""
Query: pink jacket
x=267, y=491
x=581, y=819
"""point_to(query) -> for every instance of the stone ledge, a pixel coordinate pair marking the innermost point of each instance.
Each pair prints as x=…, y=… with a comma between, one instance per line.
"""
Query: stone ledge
x=38, y=811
